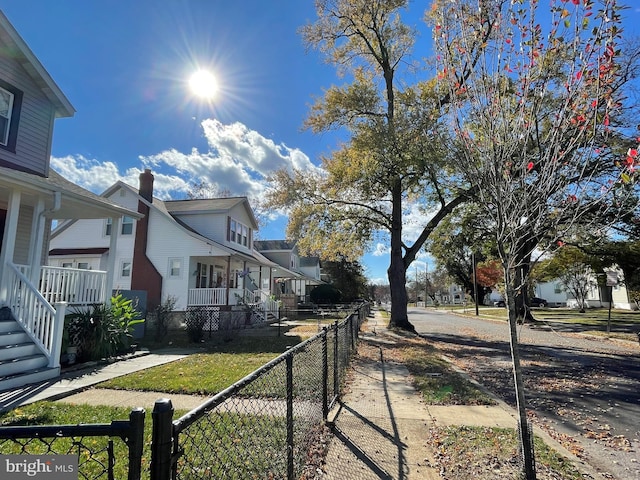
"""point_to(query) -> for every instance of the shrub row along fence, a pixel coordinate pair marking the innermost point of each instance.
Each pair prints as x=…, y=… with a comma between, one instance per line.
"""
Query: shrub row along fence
x=266, y=425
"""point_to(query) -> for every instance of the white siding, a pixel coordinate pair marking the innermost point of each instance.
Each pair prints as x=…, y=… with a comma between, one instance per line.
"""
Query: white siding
x=208, y=225
x=168, y=240
x=23, y=236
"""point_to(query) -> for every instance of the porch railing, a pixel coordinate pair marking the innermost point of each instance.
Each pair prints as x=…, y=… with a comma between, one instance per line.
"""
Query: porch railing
x=73, y=285
x=42, y=321
x=218, y=296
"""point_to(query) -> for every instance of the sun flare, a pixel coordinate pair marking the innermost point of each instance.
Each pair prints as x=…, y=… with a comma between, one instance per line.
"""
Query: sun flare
x=203, y=84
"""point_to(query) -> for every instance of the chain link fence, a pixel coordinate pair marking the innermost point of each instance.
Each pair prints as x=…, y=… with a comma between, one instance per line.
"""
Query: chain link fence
x=267, y=425
x=264, y=426
x=111, y=451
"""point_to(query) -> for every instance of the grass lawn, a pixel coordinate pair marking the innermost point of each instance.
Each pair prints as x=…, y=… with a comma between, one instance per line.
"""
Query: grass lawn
x=219, y=366
x=92, y=450
x=479, y=453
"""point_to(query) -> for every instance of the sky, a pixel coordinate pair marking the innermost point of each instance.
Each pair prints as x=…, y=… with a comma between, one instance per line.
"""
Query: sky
x=125, y=65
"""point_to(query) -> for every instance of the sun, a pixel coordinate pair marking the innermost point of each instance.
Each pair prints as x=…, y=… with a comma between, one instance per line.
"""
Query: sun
x=203, y=84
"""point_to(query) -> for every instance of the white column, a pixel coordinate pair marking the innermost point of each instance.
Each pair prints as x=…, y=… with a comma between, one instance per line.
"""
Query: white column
x=37, y=241
x=9, y=240
x=111, y=264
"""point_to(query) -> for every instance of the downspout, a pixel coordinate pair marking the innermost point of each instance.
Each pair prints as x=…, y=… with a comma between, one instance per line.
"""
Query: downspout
x=37, y=238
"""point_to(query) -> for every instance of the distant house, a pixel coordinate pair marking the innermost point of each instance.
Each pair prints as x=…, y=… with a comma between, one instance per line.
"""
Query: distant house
x=294, y=276
x=557, y=295
x=34, y=297
x=200, y=252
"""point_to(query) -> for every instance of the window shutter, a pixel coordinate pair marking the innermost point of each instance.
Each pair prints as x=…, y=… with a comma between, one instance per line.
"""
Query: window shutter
x=228, y=229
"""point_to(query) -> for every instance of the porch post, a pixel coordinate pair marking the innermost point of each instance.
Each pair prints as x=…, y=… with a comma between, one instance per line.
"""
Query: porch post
x=37, y=242
x=9, y=240
x=111, y=264
x=228, y=279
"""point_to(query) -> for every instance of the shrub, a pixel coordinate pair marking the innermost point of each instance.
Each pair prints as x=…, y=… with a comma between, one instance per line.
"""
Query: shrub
x=325, y=294
x=102, y=331
x=162, y=314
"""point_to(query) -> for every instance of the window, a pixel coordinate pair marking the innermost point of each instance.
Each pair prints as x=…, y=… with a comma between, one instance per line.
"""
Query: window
x=83, y=265
x=175, y=267
x=125, y=271
x=239, y=233
x=202, y=279
x=67, y=264
x=6, y=108
x=126, y=226
x=557, y=288
x=10, y=105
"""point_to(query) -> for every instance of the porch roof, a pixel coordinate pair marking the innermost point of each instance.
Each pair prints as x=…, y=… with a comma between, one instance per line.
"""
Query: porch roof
x=76, y=202
x=78, y=251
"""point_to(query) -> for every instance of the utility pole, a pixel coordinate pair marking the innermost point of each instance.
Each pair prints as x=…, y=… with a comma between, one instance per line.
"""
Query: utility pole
x=475, y=283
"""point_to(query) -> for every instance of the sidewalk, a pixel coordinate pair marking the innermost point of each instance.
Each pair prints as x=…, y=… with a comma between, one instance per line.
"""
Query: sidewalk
x=381, y=427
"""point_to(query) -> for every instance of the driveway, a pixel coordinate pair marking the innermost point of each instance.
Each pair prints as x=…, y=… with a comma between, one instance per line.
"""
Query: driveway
x=584, y=391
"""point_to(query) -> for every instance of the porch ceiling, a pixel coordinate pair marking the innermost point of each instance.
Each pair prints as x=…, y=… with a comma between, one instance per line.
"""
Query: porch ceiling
x=76, y=202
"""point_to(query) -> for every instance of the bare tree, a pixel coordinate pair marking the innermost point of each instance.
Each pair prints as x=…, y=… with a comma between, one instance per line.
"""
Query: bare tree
x=534, y=120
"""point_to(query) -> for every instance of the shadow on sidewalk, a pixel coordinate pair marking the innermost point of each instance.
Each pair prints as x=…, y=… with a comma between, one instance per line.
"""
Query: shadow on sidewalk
x=366, y=427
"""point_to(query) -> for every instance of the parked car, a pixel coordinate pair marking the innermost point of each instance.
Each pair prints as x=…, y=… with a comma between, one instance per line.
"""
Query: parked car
x=538, y=302
x=499, y=303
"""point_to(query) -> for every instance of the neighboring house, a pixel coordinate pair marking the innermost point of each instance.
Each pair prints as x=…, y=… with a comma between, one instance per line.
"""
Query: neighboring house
x=557, y=295
x=200, y=252
x=294, y=276
x=33, y=297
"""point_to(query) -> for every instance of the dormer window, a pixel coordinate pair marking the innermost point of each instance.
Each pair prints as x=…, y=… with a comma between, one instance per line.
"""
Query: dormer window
x=239, y=233
x=10, y=103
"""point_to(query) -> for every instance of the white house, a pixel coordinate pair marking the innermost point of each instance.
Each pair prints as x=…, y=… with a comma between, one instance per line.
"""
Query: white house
x=557, y=295
x=294, y=276
x=200, y=252
x=33, y=297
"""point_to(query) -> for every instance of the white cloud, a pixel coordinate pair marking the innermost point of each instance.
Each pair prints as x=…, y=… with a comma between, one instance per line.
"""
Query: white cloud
x=380, y=250
x=238, y=161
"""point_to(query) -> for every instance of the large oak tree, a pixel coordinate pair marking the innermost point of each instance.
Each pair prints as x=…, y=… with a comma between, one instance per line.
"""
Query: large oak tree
x=395, y=154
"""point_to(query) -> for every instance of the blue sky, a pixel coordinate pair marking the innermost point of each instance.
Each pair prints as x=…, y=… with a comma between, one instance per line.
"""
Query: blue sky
x=125, y=64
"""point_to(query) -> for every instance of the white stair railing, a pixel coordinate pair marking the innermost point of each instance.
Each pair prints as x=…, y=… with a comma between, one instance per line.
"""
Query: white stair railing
x=43, y=322
x=74, y=286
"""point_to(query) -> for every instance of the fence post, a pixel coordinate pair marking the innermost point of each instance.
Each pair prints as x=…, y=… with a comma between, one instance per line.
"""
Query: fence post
x=161, y=439
x=336, y=362
x=325, y=376
x=289, y=417
x=136, y=443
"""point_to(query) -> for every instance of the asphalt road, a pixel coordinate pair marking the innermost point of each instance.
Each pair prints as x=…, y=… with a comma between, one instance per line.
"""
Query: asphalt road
x=585, y=391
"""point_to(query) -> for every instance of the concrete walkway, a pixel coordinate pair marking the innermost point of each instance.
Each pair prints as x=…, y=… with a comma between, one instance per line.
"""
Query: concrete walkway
x=80, y=380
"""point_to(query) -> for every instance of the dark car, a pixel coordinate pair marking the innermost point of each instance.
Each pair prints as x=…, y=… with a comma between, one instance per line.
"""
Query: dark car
x=538, y=302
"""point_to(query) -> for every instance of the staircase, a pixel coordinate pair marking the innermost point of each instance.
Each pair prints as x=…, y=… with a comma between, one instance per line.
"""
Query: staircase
x=21, y=361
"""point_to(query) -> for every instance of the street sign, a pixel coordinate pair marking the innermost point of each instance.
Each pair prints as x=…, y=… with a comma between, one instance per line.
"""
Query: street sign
x=612, y=279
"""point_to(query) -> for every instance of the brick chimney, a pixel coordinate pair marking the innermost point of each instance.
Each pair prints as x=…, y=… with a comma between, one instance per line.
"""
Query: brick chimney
x=146, y=185
x=144, y=275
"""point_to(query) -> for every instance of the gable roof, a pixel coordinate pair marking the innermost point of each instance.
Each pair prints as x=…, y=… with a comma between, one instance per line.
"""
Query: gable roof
x=18, y=50
x=209, y=205
x=168, y=208
x=273, y=245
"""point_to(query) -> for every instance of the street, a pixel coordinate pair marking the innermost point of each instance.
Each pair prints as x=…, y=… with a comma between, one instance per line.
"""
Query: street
x=584, y=391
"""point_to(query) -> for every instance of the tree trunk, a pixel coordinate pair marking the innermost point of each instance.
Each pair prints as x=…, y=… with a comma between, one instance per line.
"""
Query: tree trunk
x=397, y=272
x=526, y=438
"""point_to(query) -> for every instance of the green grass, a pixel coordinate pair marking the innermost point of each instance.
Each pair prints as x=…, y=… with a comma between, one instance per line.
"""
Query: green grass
x=92, y=455
x=223, y=364
x=218, y=445
x=438, y=383
x=480, y=453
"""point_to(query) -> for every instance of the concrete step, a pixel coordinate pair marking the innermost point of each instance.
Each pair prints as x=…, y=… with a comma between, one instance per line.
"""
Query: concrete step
x=22, y=364
x=9, y=325
x=22, y=379
x=13, y=338
x=9, y=352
